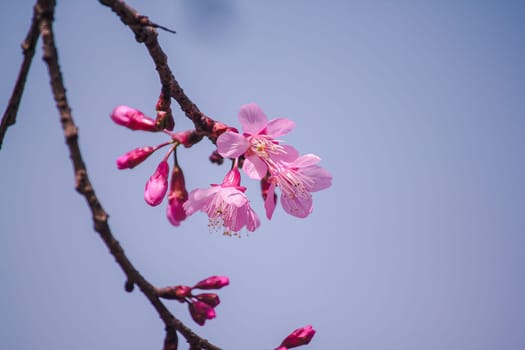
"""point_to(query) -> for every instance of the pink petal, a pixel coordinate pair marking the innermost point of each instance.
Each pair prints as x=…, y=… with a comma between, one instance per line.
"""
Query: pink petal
x=199, y=199
x=279, y=126
x=269, y=203
x=233, y=196
x=321, y=179
x=237, y=222
x=289, y=155
x=254, y=167
x=252, y=119
x=305, y=160
x=253, y=221
x=231, y=144
x=300, y=207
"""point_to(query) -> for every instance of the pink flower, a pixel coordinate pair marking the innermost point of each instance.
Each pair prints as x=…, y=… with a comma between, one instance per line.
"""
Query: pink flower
x=296, y=176
x=157, y=186
x=176, y=197
x=301, y=336
x=132, y=119
x=200, y=312
x=134, y=157
x=213, y=282
x=258, y=143
x=226, y=205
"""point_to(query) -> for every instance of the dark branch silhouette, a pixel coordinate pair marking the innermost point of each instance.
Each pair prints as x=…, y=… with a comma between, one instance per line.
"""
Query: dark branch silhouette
x=28, y=48
x=85, y=188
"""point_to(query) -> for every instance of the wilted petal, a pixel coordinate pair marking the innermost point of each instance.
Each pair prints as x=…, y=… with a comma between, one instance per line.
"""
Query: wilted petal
x=252, y=118
x=231, y=144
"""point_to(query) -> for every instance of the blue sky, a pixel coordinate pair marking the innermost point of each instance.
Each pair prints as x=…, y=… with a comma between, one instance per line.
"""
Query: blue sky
x=416, y=108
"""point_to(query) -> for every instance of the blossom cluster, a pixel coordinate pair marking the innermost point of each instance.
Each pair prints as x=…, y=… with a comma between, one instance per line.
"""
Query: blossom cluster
x=258, y=151
x=202, y=305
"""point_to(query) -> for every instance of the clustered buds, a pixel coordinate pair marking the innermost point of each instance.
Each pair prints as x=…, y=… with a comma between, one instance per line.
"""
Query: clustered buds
x=202, y=305
x=301, y=336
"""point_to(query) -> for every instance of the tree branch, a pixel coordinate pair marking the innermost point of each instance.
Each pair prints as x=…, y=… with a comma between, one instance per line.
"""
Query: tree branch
x=28, y=49
x=85, y=188
x=145, y=32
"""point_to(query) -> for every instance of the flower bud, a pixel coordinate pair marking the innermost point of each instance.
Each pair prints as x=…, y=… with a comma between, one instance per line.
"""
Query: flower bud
x=211, y=299
x=200, y=312
x=176, y=197
x=213, y=282
x=232, y=178
x=179, y=293
x=157, y=185
x=301, y=336
x=132, y=119
x=134, y=157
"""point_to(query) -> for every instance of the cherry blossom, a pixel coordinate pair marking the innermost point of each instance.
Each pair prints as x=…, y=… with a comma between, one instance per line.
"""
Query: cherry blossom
x=226, y=205
x=258, y=142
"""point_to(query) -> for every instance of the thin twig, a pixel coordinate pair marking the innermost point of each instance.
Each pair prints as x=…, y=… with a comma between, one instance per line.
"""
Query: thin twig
x=84, y=186
x=28, y=49
x=145, y=32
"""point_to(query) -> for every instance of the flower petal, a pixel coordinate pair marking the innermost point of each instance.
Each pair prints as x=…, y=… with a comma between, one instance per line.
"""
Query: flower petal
x=289, y=155
x=253, y=220
x=320, y=178
x=231, y=144
x=279, y=126
x=254, y=167
x=199, y=199
x=252, y=119
x=305, y=161
x=270, y=201
x=232, y=196
x=299, y=206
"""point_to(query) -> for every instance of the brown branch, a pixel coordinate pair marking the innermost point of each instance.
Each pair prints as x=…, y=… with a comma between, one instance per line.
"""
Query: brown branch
x=28, y=49
x=145, y=32
x=84, y=187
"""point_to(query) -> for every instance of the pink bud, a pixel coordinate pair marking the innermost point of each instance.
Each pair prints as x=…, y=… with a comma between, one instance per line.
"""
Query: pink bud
x=179, y=293
x=301, y=336
x=132, y=119
x=213, y=282
x=176, y=197
x=211, y=299
x=200, y=312
x=157, y=185
x=232, y=178
x=134, y=157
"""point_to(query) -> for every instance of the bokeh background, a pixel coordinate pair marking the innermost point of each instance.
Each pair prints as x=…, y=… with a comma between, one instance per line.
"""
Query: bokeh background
x=415, y=107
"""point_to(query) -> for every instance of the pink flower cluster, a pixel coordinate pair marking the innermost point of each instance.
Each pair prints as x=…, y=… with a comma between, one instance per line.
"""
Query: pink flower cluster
x=276, y=165
x=263, y=158
x=201, y=306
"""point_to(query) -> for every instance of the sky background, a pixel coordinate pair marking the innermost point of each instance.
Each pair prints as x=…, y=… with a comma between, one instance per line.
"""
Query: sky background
x=415, y=107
